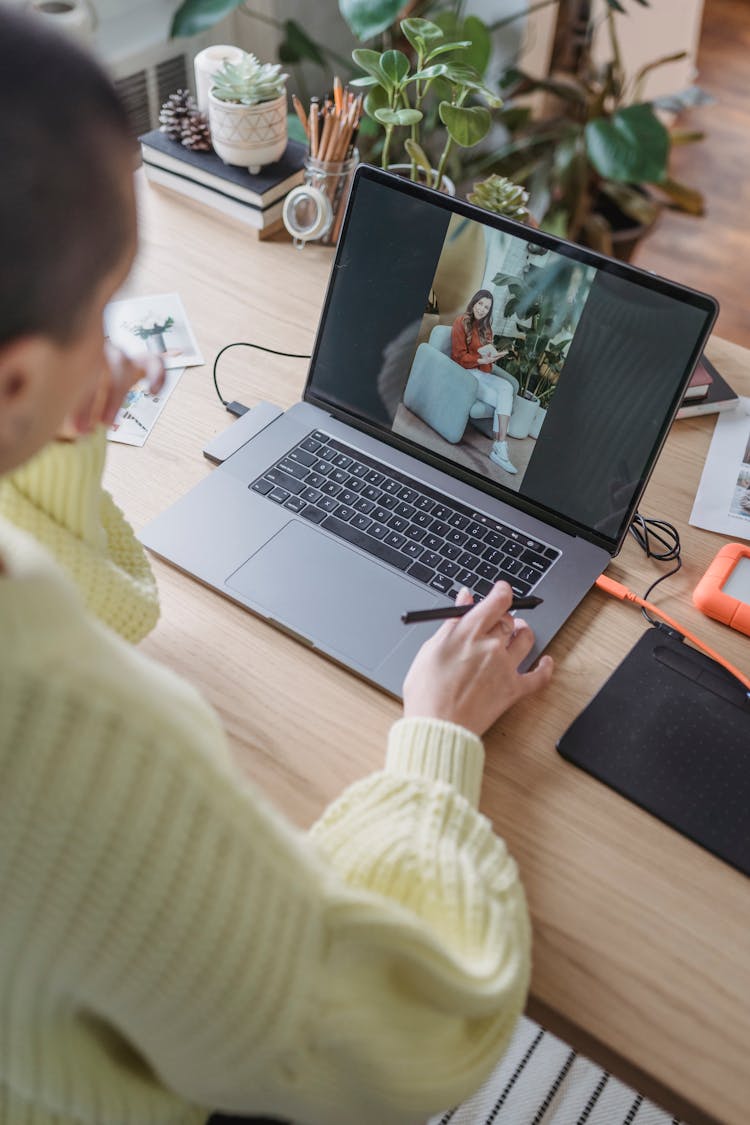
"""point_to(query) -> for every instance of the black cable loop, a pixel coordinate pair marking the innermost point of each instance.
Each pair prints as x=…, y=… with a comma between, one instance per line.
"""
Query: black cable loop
x=245, y=344
x=647, y=533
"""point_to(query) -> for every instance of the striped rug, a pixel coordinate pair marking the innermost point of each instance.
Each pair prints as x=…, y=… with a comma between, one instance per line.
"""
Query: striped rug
x=542, y=1081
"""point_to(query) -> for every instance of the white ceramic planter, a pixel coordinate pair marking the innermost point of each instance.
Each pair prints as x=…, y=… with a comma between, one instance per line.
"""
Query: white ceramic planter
x=538, y=422
x=74, y=17
x=522, y=417
x=248, y=136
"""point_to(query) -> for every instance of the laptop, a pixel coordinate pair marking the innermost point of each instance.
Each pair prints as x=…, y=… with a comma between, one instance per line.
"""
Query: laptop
x=377, y=494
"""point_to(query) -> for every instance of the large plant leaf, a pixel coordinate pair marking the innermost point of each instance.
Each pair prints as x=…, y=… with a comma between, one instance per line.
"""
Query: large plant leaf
x=467, y=125
x=369, y=61
x=389, y=116
x=368, y=18
x=376, y=99
x=297, y=45
x=420, y=32
x=638, y=206
x=194, y=16
x=419, y=156
x=683, y=198
x=473, y=29
x=631, y=146
x=395, y=66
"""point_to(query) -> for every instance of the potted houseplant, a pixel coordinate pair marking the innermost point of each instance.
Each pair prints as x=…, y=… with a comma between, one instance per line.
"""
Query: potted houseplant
x=596, y=163
x=152, y=332
x=399, y=87
x=247, y=112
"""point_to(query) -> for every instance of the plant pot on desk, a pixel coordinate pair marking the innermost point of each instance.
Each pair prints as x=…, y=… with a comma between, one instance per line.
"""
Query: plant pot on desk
x=248, y=136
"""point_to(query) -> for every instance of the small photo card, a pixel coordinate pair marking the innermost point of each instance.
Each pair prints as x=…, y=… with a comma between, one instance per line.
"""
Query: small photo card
x=158, y=325
x=136, y=417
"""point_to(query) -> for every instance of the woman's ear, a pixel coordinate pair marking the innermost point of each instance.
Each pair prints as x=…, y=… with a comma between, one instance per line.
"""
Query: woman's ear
x=22, y=366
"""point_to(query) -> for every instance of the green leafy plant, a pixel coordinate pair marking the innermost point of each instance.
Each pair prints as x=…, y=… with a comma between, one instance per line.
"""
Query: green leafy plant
x=149, y=327
x=501, y=195
x=248, y=82
x=397, y=93
x=600, y=153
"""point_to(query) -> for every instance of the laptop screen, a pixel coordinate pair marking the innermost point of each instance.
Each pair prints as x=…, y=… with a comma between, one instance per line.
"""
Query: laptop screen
x=538, y=371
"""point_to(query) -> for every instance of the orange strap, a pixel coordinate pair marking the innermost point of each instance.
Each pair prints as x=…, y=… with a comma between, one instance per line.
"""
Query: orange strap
x=617, y=590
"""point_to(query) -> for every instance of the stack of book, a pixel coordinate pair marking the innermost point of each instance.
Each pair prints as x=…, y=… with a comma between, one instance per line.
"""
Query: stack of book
x=254, y=200
x=707, y=392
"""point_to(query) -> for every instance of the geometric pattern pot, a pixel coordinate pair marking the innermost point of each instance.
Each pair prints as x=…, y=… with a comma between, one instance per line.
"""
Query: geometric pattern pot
x=248, y=136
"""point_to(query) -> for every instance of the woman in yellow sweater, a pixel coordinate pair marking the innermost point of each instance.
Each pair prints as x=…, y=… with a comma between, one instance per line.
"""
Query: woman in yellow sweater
x=169, y=946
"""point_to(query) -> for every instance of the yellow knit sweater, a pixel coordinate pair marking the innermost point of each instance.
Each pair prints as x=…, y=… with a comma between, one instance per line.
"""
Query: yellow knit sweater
x=169, y=945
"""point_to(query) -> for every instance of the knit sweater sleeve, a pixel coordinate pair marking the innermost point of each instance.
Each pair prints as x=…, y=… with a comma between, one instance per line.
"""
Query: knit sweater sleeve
x=58, y=498
x=187, y=940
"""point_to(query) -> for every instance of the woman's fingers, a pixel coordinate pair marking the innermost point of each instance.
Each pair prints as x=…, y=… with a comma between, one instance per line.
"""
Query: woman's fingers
x=488, y=614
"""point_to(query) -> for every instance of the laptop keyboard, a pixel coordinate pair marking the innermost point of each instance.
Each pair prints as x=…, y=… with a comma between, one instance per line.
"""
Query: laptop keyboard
x=436, y=541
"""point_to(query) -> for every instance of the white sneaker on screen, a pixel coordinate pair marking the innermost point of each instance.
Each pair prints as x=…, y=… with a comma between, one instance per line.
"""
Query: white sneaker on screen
x=499, y=454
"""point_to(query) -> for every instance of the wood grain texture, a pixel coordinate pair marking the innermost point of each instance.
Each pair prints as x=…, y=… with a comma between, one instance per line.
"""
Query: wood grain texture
x=641, y=937
x=713, y=253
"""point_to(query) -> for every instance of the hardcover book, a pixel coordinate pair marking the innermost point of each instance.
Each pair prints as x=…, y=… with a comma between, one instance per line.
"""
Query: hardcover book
x=271, y=184
x=719, y=396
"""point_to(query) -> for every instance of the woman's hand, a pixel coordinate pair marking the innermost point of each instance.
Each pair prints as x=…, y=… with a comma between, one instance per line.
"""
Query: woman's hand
x=101, y=404
x=467, y=672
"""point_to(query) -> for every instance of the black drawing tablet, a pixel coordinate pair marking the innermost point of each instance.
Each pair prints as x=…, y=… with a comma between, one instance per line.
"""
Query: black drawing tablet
x=670, y=730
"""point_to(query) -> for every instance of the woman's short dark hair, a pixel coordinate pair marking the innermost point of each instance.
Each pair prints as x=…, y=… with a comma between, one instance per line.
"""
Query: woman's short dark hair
x=64, y=218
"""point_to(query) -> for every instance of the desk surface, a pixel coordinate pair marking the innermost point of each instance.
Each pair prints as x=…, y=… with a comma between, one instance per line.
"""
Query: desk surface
x=641, y=937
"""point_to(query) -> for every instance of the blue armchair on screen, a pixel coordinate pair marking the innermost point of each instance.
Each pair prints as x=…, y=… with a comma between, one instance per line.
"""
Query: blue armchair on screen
x=443, y=393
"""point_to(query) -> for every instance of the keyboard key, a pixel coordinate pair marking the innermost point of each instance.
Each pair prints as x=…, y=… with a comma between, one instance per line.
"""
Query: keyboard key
x=424, y=519
x=367, y=506
x=397, y=523
x=310, y=444
x=441, y=583
x=451, y=569
x=420, y=572
x=373, y=477
x=430, y=558
x=463, y=578
x=407, y=494
x=459, y=521
x=424, y=504
x=490, y=555
x=387, y=501
x=371, y=492
x=379, y=513
x=474, y=546
x=342, y=461
x=456, y=536
x=330, y=488
x=365, y=540
x=343, y=512
x=354, y=483
x=339, y=476
x=475, y=529
x=433, y=542
x=261, y=486
x=294, y=504
x=413, y=550
x=440, y=512
x=450, y=551
x=284, y=480
x=346, y=496
x=328, y=454
x=416, y=534
x=404, y=509
x=528, y=574
x=390, y=486
x=377, y=530
x=321, y=467
x=550, y=553
x=467, y=558
x=303, y=458
x=532, y=558
x=294, y=470
x=519, y=588
x=486, y=570
x=362, y=522
x=494, y=539
x=480, y=586
x=513, y=548
x=357, y=469
x=318, y=435
x=278, y=495
x=511, y=566
x=439, y=528
x=393, y=539
x=328, y=504
x=310, y=494
x=313, y=514
x=532, y=544
x=315, y=479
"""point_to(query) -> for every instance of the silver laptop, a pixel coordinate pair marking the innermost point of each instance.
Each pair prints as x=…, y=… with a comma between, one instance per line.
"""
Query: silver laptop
x=378, y=494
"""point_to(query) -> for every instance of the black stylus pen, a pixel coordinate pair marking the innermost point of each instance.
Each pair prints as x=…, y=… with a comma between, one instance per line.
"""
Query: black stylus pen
x=417, y=615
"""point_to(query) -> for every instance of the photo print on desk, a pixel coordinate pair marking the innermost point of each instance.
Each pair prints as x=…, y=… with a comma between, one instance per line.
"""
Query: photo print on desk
x=722, y=502
x=153, y=325
x=137, y=416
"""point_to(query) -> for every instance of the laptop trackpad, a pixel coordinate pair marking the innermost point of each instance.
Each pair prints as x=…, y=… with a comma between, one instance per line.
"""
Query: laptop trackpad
x=327, y=592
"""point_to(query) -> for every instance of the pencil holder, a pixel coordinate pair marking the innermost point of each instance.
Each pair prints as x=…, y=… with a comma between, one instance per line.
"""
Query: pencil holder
x=313, y=212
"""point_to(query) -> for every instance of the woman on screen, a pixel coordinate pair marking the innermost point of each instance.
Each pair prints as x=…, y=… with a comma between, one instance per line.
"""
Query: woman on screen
x=473, y=349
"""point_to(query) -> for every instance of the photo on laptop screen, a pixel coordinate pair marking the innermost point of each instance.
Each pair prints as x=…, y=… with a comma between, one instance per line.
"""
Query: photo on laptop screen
x=529, y=366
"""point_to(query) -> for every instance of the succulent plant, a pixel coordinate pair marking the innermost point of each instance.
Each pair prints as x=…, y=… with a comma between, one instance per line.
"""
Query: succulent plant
x=248, y=81
x=501, y=195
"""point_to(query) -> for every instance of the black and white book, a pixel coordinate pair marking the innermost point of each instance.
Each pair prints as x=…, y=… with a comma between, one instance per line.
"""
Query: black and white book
x=206, y=169
x=257, y=217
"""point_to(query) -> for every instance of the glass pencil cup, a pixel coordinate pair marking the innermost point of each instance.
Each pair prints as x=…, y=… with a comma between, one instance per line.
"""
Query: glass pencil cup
x=313, y=211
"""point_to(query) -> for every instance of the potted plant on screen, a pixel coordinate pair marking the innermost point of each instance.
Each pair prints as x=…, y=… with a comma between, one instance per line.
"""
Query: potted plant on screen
x=399, y=90
x=247, y=113
x=152, y=332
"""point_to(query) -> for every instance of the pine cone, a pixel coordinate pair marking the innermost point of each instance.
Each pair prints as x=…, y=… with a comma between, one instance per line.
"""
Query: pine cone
x=196, y=134
x=175, y=112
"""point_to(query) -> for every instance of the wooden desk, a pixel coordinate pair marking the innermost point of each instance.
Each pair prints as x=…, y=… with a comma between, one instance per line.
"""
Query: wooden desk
x=641, y=937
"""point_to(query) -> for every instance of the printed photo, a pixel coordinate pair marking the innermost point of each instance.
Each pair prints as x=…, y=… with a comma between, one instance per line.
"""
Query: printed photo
x=491, y=349
x=153, y=324
x=740, y=505
x=137, y=416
